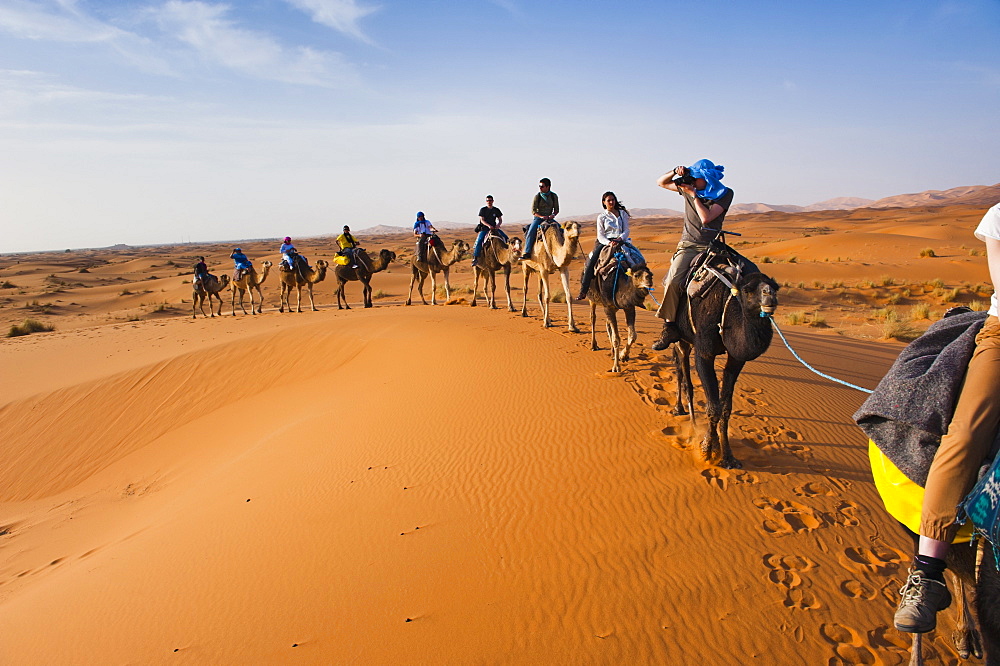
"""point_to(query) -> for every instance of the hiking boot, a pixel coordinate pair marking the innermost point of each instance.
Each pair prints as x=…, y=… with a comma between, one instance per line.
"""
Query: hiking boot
x=670, y=334
x=922, y=599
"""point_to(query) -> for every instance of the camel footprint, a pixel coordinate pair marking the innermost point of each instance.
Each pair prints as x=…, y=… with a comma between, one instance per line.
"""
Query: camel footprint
x=782, y=517
x=723, y=477
x=848, y=645
x=874, y=560
x=858, y=590
x=845, y=514
x=812, y=489
x=786, y=571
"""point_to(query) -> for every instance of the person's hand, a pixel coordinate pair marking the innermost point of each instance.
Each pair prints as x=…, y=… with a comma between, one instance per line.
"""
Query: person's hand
x=687, y=189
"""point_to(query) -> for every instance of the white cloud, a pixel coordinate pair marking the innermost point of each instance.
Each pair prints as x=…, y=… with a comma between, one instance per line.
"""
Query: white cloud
x=59, y=22
x=206, y=28
x=341, y=15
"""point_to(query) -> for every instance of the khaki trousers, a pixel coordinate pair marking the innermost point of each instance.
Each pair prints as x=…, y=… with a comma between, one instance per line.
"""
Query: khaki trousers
x=970, y=437
x=674, y=282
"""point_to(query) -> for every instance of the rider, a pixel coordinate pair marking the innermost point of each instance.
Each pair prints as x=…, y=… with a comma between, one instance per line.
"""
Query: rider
x=348, y=245
x=423, y=230
x=292, y=257
x=242, y=263
x=544, y=208
x=612, y=225
x=706, y=201
x=200, y=270
x=956, y=463
x=490, y=219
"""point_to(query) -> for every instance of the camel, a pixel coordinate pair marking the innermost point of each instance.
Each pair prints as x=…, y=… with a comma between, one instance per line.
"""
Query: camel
x=364, y=271
x=549, y=255
x=721, y=322
x=246, y=285
x=438, y=261
x=496, y=256
x=292, y=280
x=623, y=289
x=208, y=287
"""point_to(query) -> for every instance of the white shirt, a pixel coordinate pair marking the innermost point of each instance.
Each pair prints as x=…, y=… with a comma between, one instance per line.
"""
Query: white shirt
x=611, y=227
x=990, y=228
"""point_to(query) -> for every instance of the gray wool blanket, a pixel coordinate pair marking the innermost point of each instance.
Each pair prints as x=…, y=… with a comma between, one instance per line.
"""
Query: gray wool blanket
x=912, y=405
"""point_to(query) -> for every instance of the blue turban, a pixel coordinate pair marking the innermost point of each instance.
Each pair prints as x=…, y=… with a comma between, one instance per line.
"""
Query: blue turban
x=420, y=215
x=712, y=175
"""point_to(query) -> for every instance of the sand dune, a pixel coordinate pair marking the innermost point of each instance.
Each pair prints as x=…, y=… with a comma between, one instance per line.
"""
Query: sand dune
x=437, y=484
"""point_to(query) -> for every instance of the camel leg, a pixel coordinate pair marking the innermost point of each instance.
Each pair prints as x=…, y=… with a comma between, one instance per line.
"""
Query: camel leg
x=632, y=335
x=916, y=647
x=729, y=376
x=298, y=302
x=283, y=298
x=312, y=303
x=475, y=286
x=524, y=304
x=260, y=300
x=232, y=301
x=492, y=298
x=564, y=276
x=447, y=284
x=710, y=387
x=593, y=326
x=543, y=298
x=366, y=293
x=614, y=339
x=685, y=387
x=506, y=279
x=194, y=305
x=434, y=290
x=966, y=635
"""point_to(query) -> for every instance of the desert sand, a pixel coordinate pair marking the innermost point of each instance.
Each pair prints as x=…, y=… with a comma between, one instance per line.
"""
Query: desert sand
x=452, y=484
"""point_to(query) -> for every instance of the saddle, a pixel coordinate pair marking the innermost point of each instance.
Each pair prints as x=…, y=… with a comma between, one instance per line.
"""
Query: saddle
x=719, y=263
x=612, y=254
x=493, y=234
x=548, y=224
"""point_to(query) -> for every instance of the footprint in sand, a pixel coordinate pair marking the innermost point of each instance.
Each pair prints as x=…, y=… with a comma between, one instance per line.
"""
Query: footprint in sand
x=812, y=489
x=845, y=514
x=848, y=645
x=723, y=477
x=856, y=589
x=874, y=560
x=786, y=571
x=782, y=517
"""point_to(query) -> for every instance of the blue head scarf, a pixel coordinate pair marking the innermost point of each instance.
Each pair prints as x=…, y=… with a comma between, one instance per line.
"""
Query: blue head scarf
x=712, y=175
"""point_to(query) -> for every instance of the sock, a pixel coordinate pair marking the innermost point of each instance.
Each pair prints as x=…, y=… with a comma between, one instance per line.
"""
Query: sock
x=930, y=567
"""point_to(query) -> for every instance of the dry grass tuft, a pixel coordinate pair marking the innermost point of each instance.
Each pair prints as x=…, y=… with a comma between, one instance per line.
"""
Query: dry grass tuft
x=27, y=327
x=795, y=318
x=927, y=252
x=979, y=306
x=920, y=311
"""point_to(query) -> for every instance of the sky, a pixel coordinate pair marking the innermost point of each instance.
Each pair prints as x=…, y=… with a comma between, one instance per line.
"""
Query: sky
x=165, y=121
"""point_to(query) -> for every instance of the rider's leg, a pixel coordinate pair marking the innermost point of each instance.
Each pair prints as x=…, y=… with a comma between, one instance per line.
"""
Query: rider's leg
x=673, y=283
x=588, y=270
x=529, y=238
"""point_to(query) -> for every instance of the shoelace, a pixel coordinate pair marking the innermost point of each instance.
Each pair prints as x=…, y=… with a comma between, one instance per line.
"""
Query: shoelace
x=912, y=591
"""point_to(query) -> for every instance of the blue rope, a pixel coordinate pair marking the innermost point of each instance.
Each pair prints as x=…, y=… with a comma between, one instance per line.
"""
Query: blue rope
x=799, y=358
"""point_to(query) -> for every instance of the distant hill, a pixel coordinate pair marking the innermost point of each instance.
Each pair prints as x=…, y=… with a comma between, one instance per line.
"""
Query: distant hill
x=973, y=195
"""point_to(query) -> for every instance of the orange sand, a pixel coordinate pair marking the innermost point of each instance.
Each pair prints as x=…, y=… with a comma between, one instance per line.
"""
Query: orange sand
x=448, y=484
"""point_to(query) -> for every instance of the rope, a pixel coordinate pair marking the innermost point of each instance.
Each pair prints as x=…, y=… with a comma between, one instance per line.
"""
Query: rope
x=799, y=359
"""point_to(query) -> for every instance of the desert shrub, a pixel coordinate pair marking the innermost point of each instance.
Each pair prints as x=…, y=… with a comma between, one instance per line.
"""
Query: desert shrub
x=83, y=269
x=920, y=311
x=936, y=283
x=866, y=284
x=793, y=259
x=893, y=328
x=795, y=318
x=801, y=285
x=948, y=295
x=837, y=284
x=979, y=288
x=927, y=252
x=379, y=293
x=974, y=253
x=906, y=293
x=819, y=285
x=886, y=281
x=817, y=320
x=979, y=306
x=558, y=297
x=766, y=260
x=7, y=284
x=125, y=292
x=894, y=299
x=27, y=327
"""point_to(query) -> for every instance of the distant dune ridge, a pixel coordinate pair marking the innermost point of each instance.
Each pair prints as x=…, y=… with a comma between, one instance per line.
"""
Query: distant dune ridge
x=985, y=195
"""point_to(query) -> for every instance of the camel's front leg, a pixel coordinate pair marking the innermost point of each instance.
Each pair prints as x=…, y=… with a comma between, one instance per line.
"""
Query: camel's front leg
x=259, y=308
x=434, y=290
x=710, y=387
x=564, y=276
x=506, y=279
x=729, y=376
x=593, y=326
x=232, y=301
x=966, y=635
x=447, y=285
x=491, y=297
x=615, y=339
x=366, y=293
x=685, y=387
x=312, y=303
x=524, y=304
x=543, y=298
x=298, y=302
x=477, y=272
x=632, y=335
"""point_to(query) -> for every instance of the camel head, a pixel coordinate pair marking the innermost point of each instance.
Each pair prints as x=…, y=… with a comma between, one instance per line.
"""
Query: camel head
x=572, y=229
x=759, y=293
x=387, y=256
x=515, y=246
x=642, y=277
x=224, y=280
x=460, y=248
x=321, y=266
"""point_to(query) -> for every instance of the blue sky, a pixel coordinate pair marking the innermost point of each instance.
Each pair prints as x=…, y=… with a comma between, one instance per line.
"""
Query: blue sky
x=152, y=121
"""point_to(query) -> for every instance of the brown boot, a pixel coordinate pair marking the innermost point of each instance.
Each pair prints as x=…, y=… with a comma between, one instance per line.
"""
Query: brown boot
x=922, y=599
x=670, y=334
